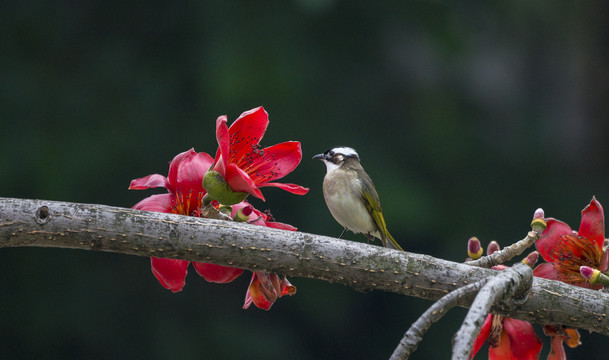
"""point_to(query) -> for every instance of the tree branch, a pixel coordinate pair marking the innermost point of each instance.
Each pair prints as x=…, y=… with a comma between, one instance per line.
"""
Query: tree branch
x=509, y=283
x=361, y=266
x=415, y=333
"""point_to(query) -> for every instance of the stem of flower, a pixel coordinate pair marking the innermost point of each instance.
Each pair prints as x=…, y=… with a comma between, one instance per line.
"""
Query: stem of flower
x=206, y=200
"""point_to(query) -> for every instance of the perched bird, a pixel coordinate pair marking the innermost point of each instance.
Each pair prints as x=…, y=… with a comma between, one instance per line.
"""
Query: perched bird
x=351, y=196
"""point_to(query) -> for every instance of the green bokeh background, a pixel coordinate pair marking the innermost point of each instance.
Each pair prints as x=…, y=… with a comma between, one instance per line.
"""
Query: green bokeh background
x=467, y=115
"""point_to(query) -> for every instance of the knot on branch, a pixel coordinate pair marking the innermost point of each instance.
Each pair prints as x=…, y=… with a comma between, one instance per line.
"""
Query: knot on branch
x=43, y=215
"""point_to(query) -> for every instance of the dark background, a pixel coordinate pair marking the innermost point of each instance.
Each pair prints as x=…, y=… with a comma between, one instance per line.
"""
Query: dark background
x=467, y=115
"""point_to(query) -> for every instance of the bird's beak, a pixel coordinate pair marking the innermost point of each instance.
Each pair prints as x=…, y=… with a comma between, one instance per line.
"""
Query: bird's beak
x=319, y=157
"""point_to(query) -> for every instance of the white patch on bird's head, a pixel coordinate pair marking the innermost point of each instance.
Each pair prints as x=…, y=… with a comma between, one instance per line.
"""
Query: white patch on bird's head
x=346, y=151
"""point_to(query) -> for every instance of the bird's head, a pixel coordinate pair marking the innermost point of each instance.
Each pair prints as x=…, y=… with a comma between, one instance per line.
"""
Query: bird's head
x=336, y=157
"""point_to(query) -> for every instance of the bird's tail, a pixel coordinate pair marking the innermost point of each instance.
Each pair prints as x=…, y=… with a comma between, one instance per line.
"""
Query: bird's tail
x=389, y=241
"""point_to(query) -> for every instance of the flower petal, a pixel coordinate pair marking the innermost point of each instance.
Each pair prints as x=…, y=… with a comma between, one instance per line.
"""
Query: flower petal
x=269, y=285
x=547, y=271
x=571, y=338
x=524, y=343
x=239, y=180
x=216, y=273
x=482, y=335
x=223, y=139
x=256, y=297
x=147, y=182
x=287, y=288
x=282, y=226
x=604, y=261
x=557, y=352
x=593, y=223
x=171, y=273
x=503, y=349
x=276, y=161
x=158, y=203
x=246, y=132
x=550, y=237
x=186, y=172
x=174, y=165
x=293, y=188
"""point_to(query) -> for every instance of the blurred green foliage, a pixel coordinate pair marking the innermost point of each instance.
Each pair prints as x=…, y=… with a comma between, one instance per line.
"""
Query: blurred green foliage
x=467, y=115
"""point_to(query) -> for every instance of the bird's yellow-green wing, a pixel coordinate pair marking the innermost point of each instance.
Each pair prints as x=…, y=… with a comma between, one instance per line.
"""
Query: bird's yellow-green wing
x=373, y=204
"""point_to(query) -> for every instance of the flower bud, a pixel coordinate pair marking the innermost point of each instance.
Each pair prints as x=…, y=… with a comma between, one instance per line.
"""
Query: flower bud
x=531, y=259
x=217, y=189
x=474, y=249
x=594, y=276
x=590, y=274
x=538, y=224
x=492, y=247
x=243, y=214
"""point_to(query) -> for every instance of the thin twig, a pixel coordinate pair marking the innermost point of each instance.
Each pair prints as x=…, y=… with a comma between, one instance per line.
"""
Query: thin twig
x=507, y=253
x=417, y=330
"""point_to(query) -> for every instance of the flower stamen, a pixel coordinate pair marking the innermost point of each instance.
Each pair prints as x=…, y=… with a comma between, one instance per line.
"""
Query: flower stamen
x=572, y=252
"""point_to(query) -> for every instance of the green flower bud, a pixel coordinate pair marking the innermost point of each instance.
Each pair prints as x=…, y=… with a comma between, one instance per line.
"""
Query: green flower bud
x=217, y=189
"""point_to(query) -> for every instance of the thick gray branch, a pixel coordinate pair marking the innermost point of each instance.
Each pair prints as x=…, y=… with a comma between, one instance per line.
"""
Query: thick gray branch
x=361, y=266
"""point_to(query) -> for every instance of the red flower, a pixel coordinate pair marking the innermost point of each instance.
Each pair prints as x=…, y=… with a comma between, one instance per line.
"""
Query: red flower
x=566, y=251
x=509, y=339
x=264, y=288
x=244, y=165
x=559, y=335
x=185, y=192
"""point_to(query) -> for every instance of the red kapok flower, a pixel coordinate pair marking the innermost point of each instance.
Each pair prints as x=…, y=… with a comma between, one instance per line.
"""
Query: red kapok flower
x=242, y=162
x=508, y=339
x=185, y=192
x=566, y=251
x=264, y=288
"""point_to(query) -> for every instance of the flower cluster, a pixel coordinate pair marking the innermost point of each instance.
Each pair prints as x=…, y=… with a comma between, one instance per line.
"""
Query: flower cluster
x=566, y=250
x=239, y=168
x=578, y=258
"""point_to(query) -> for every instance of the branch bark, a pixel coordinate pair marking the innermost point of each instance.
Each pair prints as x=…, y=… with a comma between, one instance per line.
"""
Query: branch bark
x=361, y=266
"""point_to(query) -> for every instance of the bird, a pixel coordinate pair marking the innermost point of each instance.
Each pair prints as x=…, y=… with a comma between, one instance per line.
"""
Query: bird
x=351, y=196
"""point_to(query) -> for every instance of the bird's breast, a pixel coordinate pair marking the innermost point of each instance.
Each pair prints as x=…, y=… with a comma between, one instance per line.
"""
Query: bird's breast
x=343, y=195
